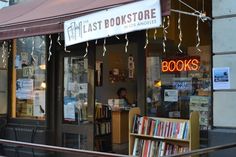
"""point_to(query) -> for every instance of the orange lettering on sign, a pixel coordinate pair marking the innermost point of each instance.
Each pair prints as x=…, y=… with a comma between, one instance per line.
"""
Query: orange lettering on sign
x=164, y=66
x=178, y=65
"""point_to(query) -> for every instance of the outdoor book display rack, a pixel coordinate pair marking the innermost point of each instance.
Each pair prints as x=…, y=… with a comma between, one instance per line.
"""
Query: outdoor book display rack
x=153, y=136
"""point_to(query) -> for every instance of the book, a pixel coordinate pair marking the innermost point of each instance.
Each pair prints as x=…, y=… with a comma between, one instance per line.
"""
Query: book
x=156, y=148
x=135, y=147
x=149, y=125
x=140, y=125
x=170, y=129
x=153, y=122
x=152, y=149
x=167, y=129
x=159, y=148
x=163, y=147
x=145, y=125
x=134, y=127
x=156, y=128
x=144, y=147
x=186, y=130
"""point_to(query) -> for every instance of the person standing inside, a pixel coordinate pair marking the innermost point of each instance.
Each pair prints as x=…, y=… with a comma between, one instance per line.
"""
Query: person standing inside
x=122, y=94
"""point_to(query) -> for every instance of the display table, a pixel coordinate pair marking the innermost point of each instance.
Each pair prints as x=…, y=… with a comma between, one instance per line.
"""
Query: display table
x=120, y=126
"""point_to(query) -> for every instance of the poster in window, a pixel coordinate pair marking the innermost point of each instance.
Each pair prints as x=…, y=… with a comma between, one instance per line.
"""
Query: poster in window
x=39, y=103
x=18, y=64
x=183, y=84
x=200, y=104
x=42, y=59
x=221, y=78
x=24, y=58
x=171, y=95
x=83, y=88
x=24, y=88
x=28, y=71
x=69, y=111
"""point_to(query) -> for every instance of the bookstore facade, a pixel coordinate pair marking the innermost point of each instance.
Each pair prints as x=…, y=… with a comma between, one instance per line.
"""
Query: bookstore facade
x=163, y=59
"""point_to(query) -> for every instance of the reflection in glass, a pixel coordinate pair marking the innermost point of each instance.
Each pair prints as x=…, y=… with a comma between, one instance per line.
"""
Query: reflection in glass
x=76, y=141
x=75, y=89
x=30, y=96
x=3, y=76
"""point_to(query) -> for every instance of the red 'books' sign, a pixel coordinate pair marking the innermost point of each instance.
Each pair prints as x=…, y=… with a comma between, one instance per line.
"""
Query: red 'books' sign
x=191, y=63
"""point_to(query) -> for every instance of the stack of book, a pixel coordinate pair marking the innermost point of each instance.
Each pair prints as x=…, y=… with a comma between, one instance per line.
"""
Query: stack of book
x=150, y=148
x=102, y=112
x=103, y=128
x=156, y=127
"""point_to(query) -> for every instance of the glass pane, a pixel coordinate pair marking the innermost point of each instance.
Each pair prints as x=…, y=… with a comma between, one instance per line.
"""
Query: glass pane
x=29, y=76
x=75, y=90
x=178, y=84
x=3, y=77
x=76, y=141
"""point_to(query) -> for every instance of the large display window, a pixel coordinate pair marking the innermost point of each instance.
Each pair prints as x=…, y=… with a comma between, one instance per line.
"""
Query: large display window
x=29, y=78
x=178, y=83
x=4, y=51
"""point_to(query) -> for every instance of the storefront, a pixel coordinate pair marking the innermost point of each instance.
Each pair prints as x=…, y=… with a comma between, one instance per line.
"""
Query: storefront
x=53, y=90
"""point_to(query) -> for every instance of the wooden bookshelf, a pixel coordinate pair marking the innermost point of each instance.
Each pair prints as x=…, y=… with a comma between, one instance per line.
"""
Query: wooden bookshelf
x=181, y=134
x=103, y=126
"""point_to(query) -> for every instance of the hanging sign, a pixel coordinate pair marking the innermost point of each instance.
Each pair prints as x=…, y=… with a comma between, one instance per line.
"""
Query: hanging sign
x=119, y=20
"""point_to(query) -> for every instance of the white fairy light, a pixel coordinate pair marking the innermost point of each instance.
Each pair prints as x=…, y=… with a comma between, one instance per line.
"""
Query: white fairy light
x=180, y=34
x=9, y=50
x=96, y=42
x=155, y=34
x=32, y=51
x=165, y=31
x=86, y=49
x=66, y=50
x=59, y=39
x=104, y=47
x=127, y=43
x=50, y=47
x=146, y=44
x=4, y=57
x=198, y=36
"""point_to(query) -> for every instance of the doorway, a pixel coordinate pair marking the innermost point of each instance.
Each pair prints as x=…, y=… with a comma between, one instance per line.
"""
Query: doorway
x=114, y=71
x=74, y=101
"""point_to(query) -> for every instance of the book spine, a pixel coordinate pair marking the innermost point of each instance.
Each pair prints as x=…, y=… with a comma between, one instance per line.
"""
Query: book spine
x=135, y=147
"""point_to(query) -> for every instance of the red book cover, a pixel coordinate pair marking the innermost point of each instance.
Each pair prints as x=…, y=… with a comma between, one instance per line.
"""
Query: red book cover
x=167, y=129
x=144, y=125
x=153, y=122
x=177, y=130
x=145, y=150
x=163, y=129
x=159, y=129
x=170, y=129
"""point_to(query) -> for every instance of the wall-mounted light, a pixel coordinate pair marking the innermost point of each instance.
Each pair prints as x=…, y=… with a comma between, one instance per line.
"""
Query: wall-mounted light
x=42, y=66
x=43, y=85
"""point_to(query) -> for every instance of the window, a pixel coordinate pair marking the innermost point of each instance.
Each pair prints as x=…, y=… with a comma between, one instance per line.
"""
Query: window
x=29, y=76
x=178, y=83
x=3, y=77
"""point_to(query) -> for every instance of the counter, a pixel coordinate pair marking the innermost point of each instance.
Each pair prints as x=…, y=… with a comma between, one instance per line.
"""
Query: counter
x=120, y=126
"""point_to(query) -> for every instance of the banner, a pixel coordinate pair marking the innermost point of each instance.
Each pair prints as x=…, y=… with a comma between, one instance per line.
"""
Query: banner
x=135, y=16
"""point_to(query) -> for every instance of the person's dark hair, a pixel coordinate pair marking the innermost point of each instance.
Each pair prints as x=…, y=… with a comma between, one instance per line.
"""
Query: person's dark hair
x=120, y=90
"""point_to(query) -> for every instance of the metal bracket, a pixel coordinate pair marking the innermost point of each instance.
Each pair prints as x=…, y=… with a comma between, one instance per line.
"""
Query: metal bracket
x=201, y=15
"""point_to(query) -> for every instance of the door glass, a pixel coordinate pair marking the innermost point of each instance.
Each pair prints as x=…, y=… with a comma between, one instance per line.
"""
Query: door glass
x=75, y=90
